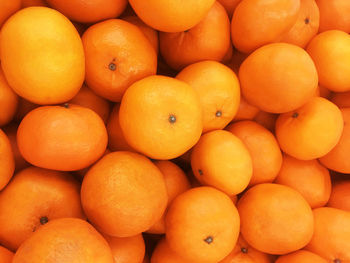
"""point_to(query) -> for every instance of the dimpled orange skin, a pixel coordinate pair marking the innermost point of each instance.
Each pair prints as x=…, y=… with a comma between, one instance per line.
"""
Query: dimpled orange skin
x=306, y=26
x=7, y=161
x=86, y=11
x=337, y=159
x=202, y=225
x=57, y=54
x=36, y=193
x=221, y=160
x=340, y=196
x=251, y=28
x=161, y=117
x=121, y=56
x=334, y=15
x=218, y=90
x=60, y=138
x=208, y=40
x=275, y=219
x=8, y=101
x=124, y=194
x=301, y=256
x=8, y=8
x=311, y=131
x=171, y=16
x=309, y=178
x=65, y=240
x=263, y=148
x=330, y=51
x=6, y=255
x=331, y=238
x=278, y=65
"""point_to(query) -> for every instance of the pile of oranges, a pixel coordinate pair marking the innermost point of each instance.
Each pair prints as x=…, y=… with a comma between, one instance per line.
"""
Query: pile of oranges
x=172, y=131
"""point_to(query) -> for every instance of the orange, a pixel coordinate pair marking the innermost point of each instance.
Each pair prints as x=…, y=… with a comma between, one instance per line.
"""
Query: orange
x=8, y=101
x=275, y=219
x=301, y=256
x=263, y=149
x=8, y=8
x=39, y=196
x=310, y=131
x=122, y=56
x=244, y=253
x=116, y=138
x=306, y=26
x=340, y=196
x=202, y=225
x=127, y=249
x=341, y=99
x=171, y=16
x=176, y=183
x=6, y=255
x=251, y=28
x=7, y=162
x=278, y=65
x=86, y=11
x=164, y=254
x=65, y=240
x=337, y=159
x=161, y=117
x=66, y=138
x=334, y=15
x=331, y=238
x=266, y=119
x=218, y=90
x=51, y=61
x=245, y=111
x=208, y=40
x=220, y=159
x=29, y=3
x=330, y=51
x=309, y=178
x=87, y=98
x=11, y=132
x=150, y=33
x=124, y=194
x=230, y=5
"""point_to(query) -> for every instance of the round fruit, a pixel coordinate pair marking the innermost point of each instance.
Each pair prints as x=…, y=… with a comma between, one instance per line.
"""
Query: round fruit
x=8, y=8
x=7, y=162
x=6, y=255
x=301, y=256
x=340, y=196
x=334, y=15
x=8, y=101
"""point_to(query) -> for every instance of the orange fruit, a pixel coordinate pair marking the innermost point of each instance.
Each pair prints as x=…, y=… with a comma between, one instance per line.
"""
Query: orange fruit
x=39, y=196
x=208, y=40
x=204, y=233
x=8, y=8
x=278, y=65
x=301, y=256
x=122, y=56
x=65, y=240
x=310, y=131
x=245, y=111
x=7, y=162
x=29, y=3
x=218, y=90
x=309, y=178
x=220, y=159
x=85, y=11
x=49, y=75
x=8, y=101
x=116, y=138
x=230, y=6
x=263, y=149
x=251, y=28
x=275, y=219
x=161, y=117
x=164, y=254
x=124, y=194
x=334, y=15
x=340, y=196
x=306, y=26
x=66, y=138
x=267, y=120
x=171, y=16
x=337, y=159
x=150, y=33
x=176, y=183
x=331, y=238
x=341, y=99
x=88, y=99
x=6, y=255
x=127, y=249
x=330, y=51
